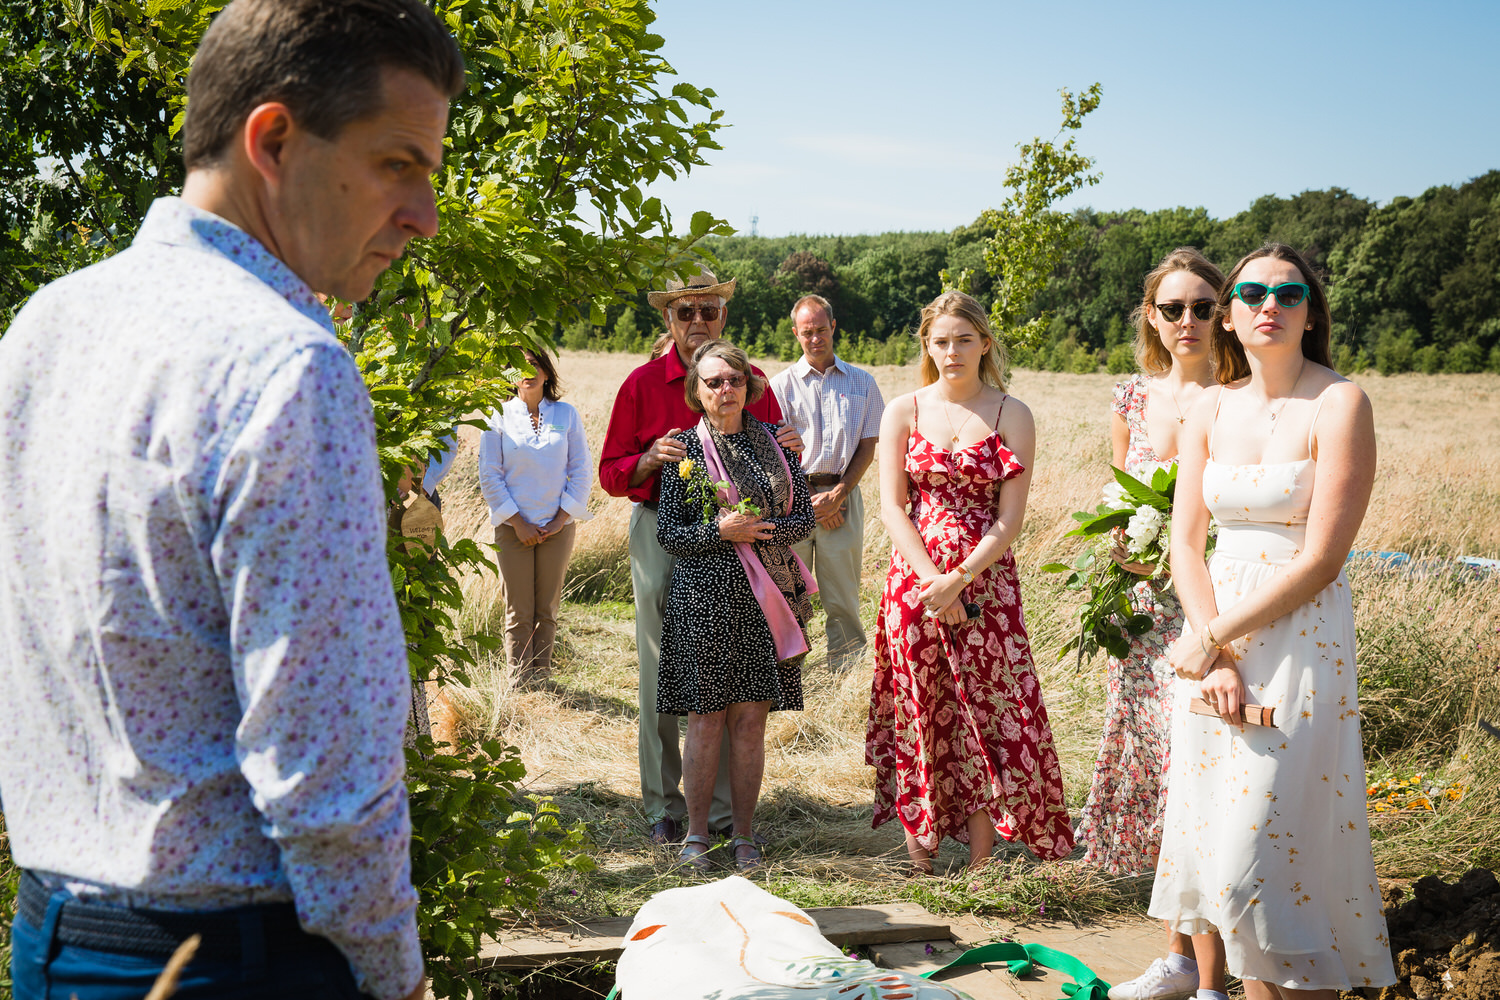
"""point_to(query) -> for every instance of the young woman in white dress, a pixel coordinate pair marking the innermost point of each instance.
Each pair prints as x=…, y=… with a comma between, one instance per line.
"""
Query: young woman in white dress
x=1266, y=840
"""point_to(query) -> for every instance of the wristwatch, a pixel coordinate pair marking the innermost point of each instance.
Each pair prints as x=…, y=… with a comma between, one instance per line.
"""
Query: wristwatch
x=963, y=571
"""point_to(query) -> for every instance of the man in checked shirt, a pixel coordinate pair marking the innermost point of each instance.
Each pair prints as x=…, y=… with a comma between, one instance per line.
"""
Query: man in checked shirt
x=836, y=407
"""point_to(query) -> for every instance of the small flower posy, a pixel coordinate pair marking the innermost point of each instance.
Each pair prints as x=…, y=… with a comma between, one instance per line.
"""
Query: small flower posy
x=713, y=497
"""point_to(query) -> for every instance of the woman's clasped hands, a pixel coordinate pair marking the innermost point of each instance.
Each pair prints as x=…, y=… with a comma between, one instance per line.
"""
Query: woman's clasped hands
x=737, y=527
x=941, y=594
x=1222, y=688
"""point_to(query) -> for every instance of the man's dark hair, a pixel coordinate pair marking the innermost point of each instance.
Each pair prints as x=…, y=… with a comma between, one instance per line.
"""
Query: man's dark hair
x=321, y=58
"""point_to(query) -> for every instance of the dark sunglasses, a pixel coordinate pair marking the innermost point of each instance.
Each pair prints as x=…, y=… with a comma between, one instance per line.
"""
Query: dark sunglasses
x=1203, y=310
x=685, y=313
x=1289, y=294
x=733, y=381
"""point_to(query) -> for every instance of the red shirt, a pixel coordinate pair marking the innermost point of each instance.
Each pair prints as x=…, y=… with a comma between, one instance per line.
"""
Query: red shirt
x=650, y=403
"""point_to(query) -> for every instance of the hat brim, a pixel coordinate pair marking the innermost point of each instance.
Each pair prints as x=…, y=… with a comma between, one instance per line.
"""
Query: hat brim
x=660, y=300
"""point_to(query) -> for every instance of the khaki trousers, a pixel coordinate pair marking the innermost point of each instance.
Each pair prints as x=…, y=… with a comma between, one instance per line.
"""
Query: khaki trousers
x=659, y=746
x=532, y=576
x=835, y=557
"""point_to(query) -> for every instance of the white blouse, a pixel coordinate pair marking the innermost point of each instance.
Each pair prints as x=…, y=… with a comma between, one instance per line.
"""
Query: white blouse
x=535, y=472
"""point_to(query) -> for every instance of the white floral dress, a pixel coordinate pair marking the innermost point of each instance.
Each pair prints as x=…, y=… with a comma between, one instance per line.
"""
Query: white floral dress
x=1121, y=824
x=1266, y=837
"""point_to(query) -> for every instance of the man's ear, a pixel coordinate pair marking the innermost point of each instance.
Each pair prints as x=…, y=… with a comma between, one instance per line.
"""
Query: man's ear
x=268, y=128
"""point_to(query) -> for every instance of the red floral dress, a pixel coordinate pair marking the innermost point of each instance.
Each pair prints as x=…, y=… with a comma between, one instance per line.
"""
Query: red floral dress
x=957, y=722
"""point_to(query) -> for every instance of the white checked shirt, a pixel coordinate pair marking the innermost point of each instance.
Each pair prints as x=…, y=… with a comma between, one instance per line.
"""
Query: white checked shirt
x=832, y=410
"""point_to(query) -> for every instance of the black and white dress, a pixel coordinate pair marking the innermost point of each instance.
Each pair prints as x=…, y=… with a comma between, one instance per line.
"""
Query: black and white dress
x=716, y=648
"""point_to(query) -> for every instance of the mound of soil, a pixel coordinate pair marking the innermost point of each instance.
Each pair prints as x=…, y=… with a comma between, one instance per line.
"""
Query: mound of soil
x=1446, y=939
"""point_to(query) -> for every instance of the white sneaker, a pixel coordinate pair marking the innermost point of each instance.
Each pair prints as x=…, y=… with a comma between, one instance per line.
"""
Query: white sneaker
x=1158, y=982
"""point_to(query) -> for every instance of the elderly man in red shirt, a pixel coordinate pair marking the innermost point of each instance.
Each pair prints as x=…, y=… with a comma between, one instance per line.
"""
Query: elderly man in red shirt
x=650, y=408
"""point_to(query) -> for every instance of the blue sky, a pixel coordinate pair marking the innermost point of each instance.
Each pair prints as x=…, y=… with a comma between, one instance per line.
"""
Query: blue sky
x=873, y=116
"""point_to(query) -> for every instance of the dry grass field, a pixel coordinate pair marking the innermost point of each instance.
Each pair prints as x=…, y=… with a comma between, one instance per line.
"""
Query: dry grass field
x=1430, y=649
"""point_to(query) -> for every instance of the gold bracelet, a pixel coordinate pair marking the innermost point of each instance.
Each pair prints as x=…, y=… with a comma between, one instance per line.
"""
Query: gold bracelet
x=1210, y=633
x=1204, y=649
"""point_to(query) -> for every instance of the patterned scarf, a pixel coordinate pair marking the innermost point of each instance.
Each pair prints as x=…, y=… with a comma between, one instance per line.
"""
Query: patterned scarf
x=755, y=449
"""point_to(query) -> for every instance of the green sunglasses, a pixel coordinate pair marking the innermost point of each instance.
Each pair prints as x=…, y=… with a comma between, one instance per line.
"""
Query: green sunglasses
x=1289, y=294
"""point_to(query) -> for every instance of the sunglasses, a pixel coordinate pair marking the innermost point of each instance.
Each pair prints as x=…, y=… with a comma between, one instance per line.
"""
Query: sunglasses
x=1289, y=294
x=733, y=381
x=1203, y=310
x=708, y=313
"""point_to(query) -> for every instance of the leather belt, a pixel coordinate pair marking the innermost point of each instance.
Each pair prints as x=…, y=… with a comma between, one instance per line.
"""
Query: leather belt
x=157, y=933
x=824, y=480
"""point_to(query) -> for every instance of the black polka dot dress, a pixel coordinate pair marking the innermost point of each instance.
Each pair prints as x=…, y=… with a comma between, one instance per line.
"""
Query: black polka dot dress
x=716, y=648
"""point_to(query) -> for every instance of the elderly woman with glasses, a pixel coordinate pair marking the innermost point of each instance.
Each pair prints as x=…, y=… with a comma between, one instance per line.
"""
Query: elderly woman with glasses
x=734, y=634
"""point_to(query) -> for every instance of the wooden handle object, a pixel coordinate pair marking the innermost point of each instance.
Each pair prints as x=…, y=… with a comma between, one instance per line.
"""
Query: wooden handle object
x=1252, y=715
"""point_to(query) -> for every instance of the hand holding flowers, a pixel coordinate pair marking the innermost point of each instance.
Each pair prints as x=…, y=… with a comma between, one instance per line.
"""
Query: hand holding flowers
x=713, y=498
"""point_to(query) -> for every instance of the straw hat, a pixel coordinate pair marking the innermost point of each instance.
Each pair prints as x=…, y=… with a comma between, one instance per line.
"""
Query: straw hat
x=702, y=283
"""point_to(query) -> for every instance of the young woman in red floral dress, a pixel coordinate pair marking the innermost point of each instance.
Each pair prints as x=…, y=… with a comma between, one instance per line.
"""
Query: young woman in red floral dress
x=958, y=734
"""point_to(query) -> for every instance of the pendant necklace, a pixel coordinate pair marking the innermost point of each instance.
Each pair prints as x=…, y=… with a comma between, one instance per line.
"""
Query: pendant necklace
x=949, y=416
x=1273, y=414
x=1181, y=418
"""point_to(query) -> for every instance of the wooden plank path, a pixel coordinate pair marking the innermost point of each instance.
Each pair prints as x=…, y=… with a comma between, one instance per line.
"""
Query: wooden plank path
x=902, y=936
x=603, y=940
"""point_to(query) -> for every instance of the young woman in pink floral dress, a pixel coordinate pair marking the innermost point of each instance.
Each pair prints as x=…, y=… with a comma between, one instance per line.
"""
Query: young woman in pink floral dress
x=1121, y=827
x=958, y=734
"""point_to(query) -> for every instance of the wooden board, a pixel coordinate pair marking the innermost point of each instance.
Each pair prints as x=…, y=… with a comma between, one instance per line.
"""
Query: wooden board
x=603, y=940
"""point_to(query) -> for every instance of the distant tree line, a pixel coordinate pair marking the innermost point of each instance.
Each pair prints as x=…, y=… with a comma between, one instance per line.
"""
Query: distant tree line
x=1414, y=284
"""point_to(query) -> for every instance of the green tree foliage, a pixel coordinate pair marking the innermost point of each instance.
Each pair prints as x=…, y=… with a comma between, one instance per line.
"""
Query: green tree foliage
x=1030, y=238
x=565, y=120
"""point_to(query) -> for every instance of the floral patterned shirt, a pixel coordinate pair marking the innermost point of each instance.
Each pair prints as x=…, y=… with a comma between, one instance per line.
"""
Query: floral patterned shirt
x=202, y=671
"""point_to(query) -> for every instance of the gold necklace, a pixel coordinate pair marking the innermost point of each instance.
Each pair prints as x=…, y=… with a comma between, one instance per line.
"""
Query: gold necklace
x=1181, y=418
x=1266, y=404
x=949, y=416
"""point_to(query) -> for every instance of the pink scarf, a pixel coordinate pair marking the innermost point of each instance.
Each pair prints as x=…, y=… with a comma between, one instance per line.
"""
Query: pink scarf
x=785, y=629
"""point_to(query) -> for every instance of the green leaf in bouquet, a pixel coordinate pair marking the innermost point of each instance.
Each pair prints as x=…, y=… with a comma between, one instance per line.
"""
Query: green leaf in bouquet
x=1164, y=480
x=1138, y=624
x=1057, y=568
x=1141, y=493
x=1100, y=524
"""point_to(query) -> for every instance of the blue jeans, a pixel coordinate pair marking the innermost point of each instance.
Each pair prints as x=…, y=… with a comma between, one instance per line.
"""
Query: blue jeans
x=44, y=968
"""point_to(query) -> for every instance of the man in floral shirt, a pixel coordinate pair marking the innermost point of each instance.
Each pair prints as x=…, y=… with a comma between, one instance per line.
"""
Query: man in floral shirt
x=202, y=671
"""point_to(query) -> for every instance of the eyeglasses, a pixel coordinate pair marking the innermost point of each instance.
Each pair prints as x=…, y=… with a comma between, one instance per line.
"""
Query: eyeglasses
x=733, y=381
x=1203, y=310
x=708, y=313
x=1289, y=294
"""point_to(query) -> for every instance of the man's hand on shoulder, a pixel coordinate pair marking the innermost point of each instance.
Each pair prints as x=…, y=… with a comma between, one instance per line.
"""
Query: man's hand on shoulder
x=788, y=438
x=663, y=450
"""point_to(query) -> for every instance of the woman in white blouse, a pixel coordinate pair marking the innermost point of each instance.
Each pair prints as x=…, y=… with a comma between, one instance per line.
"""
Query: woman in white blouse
x=535, y=474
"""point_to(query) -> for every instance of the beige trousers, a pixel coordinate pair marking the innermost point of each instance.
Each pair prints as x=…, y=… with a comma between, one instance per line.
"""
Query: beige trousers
x=532, y=576
x=835, y=557
x=659, y=746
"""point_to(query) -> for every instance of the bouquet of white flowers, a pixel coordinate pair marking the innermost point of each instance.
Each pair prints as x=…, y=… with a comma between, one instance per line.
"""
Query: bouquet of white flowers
x=1138, y=517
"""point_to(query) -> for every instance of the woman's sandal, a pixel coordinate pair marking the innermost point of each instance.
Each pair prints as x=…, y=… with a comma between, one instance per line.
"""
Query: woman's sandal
x=698, y=859
x=751, y=862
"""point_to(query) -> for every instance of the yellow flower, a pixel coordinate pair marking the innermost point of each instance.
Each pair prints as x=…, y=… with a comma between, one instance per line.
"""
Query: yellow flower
x=685, y=468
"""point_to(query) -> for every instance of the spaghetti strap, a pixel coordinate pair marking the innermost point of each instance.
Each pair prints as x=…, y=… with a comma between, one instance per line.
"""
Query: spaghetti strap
x=1002, y=410
x=910, y=437
x=1314, y=423
x=1214, y=427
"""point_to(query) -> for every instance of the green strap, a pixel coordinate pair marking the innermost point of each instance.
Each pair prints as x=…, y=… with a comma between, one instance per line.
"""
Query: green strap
x=1020, y=959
